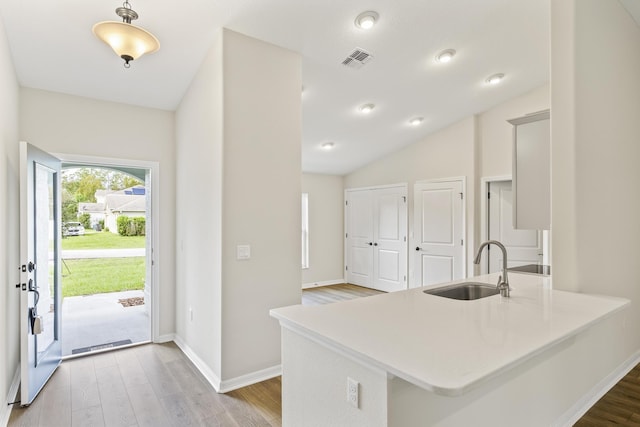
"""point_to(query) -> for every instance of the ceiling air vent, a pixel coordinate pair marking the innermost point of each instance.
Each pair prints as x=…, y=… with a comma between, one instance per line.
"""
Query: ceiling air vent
x=357, y=58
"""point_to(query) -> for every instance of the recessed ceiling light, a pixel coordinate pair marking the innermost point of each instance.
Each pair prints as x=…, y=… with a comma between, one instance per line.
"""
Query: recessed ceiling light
x=327, y=145
x=416, y=121
x=366, y=108
x=446, y=55
x=367, y=20
x=495, y=79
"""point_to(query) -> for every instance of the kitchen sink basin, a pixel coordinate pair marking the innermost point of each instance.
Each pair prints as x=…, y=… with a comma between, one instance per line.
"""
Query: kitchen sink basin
x=465, y=291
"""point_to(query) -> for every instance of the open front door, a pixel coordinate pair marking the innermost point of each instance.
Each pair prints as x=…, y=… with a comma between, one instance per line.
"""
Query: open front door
x=40, y=233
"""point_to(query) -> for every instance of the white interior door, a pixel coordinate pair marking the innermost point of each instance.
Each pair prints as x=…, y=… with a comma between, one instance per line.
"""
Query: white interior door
x=390, y=239
x=439, y=232
x=376, y=248
x=40, y=233
x=523, y=246
x=359, y=213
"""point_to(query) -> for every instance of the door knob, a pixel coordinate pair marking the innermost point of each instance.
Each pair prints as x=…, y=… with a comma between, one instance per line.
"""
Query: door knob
x=31, y=266
x=375, y=244
x=370, y=243
x=417, y=248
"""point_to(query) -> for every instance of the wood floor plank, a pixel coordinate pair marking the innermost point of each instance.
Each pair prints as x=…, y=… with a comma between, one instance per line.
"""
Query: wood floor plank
x=84, y=385
x=335, y=293
x=190, y=382
x=116, y=407
x=158, y=374
x=147, y=407
x=87, y=417
x=130, y=367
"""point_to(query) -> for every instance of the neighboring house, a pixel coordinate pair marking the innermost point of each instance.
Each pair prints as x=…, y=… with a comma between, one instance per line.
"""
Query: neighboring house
x=110, y=205
x=95, y=211
x=118, y=204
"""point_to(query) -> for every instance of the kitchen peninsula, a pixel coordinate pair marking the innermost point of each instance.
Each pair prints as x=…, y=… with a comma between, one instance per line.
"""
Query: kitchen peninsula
x=423, y=360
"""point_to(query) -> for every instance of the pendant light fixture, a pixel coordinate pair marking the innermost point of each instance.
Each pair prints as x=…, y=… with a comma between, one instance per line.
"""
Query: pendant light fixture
x=127, y=41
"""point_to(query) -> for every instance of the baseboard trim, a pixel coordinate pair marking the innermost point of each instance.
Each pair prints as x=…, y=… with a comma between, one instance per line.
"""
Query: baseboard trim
x=323, y=283
x=252, y=378
x=571, y=416
x=164, y=338
x=200, y=365
x=5, y=410
x=233, y=383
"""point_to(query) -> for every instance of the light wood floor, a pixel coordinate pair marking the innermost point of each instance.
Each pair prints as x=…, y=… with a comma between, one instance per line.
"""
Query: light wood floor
x=149, y=385
x=335, y=293
x=620, y=406
x=156, y=385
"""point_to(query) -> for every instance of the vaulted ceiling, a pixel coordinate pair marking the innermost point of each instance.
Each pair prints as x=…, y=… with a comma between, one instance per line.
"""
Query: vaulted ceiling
x=54, y=49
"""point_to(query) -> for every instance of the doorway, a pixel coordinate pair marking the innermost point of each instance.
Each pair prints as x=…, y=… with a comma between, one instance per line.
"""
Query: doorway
x=523, y=246
x=107, y=267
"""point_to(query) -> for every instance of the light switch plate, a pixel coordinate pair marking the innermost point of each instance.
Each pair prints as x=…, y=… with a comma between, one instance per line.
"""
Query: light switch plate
x=243, y=252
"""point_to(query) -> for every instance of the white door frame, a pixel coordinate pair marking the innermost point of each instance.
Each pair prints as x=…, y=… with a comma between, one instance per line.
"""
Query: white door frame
x=153, y=250
x=484, y=218
x=467, y=239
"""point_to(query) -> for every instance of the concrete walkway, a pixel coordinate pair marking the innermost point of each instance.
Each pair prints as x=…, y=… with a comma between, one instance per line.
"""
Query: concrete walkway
x=102, y=253
x=95, y=320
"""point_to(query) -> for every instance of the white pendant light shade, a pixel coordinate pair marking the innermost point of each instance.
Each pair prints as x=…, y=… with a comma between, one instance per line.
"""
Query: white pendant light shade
x=126, y=40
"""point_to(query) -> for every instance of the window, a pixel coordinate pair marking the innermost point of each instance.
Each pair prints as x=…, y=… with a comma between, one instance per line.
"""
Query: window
x=305, y=230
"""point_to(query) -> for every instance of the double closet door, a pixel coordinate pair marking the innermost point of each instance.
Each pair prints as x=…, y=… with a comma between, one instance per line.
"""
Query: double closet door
x=376, y=237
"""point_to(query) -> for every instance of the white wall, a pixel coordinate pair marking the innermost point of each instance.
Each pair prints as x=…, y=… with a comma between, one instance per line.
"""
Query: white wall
x=262, y=187
x=449, y=152
x=73, y=125
x=474, y=147
x=199, y=224
x=9, y=242
x=326, y=229
x=239, y=122
x=495, y=134
x=595, y=106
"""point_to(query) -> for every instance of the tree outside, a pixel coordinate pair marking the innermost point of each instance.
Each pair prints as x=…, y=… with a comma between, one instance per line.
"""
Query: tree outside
x=99, y=275
x=80, y=185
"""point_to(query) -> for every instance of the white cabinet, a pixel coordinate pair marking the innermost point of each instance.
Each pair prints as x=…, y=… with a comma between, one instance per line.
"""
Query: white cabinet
x=376, y=237
x=531, y=172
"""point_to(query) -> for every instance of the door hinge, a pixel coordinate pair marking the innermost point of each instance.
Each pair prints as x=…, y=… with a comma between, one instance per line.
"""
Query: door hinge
x=488, y=195
x=462, y=242
x=346, y=203
x=404, y=199
x=346, y=267
x=405, y=238
x=461, y=196
x=405, y=278
x=346, y=235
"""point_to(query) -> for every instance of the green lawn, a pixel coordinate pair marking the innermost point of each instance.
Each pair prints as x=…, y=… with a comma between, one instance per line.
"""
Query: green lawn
x=102, y=275
x=102, y=240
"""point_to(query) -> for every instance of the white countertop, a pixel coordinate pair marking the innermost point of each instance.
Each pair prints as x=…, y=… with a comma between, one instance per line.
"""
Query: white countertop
x=450, y=346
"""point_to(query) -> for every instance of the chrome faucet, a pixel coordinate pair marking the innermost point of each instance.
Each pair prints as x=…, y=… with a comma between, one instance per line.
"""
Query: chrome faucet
x=503, y=281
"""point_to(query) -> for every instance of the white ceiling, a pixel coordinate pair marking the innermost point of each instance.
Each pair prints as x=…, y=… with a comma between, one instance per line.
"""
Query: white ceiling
x=53, y=49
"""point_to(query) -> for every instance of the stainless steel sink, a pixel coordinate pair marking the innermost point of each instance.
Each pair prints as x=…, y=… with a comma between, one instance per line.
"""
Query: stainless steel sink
x=465, y=291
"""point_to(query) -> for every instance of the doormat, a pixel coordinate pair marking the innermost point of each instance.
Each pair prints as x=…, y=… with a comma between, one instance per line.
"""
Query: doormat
x=131, y=302
x=100, y=347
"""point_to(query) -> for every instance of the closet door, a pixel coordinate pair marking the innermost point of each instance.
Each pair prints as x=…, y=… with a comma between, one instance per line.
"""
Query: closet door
x=376, y=238
x=390, y=239
x=359, y=248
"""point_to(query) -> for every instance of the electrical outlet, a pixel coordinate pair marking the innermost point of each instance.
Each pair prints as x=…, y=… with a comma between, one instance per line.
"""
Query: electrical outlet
x=352, y=392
